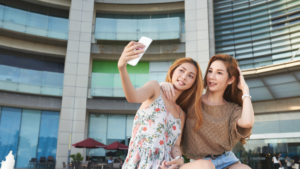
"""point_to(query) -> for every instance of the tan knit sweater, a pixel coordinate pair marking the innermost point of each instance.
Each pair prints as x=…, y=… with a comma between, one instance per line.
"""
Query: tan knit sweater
x=219, y=131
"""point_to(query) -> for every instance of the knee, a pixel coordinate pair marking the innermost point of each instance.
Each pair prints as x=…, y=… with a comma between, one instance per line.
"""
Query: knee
x=205, y=164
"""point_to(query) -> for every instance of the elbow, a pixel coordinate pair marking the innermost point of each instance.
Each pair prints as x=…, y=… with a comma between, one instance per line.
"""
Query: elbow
x=248, y=124
x=131, y=100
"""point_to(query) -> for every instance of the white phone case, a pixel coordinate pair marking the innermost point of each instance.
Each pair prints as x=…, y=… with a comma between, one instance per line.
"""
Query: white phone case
x=146, y=41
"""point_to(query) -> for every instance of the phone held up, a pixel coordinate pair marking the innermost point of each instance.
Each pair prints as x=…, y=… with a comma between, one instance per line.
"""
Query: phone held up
x=146, y=41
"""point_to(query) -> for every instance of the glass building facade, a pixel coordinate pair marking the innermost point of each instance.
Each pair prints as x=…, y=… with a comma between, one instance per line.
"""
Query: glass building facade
x=108, y=128
x=257, y=33
x=20, y=20
x=28, y=134
x=133, y=27
x=59, y=74
x=262, y=146
x=24, y=74
x=258, y=153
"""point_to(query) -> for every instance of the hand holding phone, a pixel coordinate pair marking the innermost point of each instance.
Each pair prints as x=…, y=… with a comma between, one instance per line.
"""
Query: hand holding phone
x=130, y=52
x=145, y=41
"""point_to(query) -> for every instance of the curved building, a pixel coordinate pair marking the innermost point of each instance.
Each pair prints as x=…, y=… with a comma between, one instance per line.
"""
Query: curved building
x=59, y=81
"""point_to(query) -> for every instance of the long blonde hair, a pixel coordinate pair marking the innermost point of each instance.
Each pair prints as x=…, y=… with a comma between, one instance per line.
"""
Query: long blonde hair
x=191, y=98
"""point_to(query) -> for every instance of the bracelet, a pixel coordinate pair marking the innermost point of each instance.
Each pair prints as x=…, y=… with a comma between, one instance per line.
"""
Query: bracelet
x=246, y=95
x=178, y=157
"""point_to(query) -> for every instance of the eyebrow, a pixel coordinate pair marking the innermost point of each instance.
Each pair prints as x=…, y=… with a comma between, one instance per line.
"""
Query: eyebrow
x=190, y=72
x=218, y=69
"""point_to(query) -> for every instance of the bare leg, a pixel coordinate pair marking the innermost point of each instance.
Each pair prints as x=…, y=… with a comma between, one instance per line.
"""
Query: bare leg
x=239, y=166
x=203, y=164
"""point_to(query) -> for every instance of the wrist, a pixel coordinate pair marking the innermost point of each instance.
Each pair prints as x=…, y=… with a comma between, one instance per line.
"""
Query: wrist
x=246, y=90
x=179, y=157
x=120, y=67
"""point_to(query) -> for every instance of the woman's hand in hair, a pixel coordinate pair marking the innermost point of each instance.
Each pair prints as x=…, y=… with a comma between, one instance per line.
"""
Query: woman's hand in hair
x=168, y=89
x=242, y=85
x=131, y=51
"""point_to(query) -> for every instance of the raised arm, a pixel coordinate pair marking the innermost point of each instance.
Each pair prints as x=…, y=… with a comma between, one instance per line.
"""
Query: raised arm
x=132, y=51
x=247, y=118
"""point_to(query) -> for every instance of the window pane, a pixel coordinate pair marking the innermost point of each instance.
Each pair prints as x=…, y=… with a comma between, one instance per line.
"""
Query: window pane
x=262, y=52
x=15, y=16
x=129, y=124
x=9, y=131
x=48, y=134
x=29, y=133
x=113, y=130
x=97, y=131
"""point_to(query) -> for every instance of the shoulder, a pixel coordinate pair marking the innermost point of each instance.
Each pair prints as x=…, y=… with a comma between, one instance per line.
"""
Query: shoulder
x=153, y=85
x=234, y=110
x=233, y=106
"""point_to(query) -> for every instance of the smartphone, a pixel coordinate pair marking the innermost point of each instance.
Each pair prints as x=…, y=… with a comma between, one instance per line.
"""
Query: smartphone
x=146, y=41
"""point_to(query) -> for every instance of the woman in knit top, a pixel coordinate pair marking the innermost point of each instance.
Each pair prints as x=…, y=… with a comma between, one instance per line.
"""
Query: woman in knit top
x=226, y=118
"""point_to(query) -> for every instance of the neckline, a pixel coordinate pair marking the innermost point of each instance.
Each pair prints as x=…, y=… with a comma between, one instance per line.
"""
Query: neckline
x=207, y=106
x=168, y=109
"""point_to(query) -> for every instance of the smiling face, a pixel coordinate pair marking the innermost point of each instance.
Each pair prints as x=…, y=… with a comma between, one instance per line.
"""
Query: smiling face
x=184, y=76
x=217, y=77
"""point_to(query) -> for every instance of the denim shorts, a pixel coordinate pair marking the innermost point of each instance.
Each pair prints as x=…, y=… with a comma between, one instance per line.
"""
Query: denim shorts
x=226, y=160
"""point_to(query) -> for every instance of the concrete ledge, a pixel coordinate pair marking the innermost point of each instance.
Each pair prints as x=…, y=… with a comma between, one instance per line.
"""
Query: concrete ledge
x=280, y=105
x=140, y=8
x=62, y=4
x=32, y=47
x=136, y=1
x=145, y=58
x=105, y=105
x=154, y=53
x=153, y=49
x=272, y=69
x=30, y=101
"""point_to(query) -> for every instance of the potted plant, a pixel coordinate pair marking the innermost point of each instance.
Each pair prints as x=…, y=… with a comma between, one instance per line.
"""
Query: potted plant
x=76, y=160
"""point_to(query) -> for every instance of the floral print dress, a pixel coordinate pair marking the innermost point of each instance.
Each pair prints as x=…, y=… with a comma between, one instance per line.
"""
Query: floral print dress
x=154, y=133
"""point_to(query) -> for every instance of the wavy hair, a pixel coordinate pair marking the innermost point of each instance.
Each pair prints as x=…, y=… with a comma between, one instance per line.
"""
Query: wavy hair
x=232, y=92
x=189, y=99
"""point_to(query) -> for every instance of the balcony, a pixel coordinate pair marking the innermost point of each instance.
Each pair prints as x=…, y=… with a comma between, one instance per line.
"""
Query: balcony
x=133, y=29
x=31, y=81
x=33, y=23
x=109, y=85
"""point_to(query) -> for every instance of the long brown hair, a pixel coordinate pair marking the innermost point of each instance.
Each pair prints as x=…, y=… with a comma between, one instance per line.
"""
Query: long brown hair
x=191, y=98
x=232, y=92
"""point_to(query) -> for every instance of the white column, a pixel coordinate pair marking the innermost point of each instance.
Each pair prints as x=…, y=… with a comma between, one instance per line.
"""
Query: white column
x=73, y=112
x=197, y=32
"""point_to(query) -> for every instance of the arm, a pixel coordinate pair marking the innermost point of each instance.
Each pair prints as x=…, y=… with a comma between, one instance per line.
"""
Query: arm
x=175, y=151
x=247, y=118
x=133, y=95
x=176, y=148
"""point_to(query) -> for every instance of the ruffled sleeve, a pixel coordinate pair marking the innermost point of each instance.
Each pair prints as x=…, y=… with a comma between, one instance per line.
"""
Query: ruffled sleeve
x=236, y=131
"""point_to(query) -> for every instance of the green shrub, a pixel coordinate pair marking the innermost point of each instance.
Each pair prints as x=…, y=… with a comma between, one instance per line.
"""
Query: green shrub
x=76, y=157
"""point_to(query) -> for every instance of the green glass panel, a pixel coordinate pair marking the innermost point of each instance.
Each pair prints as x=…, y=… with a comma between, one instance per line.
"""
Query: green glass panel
x=112, y=67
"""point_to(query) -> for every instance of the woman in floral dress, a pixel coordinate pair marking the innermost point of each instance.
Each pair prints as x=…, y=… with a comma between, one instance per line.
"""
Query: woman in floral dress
x=157, y=126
